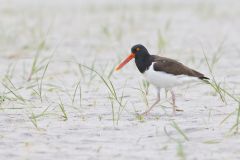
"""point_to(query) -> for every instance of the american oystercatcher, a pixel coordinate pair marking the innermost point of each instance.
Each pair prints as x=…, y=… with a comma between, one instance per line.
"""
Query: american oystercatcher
x=161, y=72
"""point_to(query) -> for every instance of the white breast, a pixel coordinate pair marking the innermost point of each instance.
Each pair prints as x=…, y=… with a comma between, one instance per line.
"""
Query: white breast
x=165, y=80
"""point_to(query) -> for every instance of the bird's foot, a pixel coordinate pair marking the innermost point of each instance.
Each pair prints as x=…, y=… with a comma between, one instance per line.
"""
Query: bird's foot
x=179, y=110
x=144, y=113
x=174, y=113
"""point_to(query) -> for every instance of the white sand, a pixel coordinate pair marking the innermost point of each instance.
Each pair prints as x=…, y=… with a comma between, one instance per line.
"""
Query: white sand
x=104, y=31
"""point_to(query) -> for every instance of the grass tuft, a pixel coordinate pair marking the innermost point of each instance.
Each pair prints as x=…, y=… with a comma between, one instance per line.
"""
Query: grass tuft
x=175, y=125
x=65, y=117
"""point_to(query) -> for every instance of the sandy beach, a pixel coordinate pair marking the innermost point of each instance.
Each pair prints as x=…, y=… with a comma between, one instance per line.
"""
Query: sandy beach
x=60, y=97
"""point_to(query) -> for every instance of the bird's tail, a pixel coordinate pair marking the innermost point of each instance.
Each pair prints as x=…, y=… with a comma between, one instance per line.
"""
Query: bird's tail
x=205, y=79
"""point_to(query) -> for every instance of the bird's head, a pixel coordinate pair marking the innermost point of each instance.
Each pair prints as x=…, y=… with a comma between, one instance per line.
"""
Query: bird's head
x=137, y=51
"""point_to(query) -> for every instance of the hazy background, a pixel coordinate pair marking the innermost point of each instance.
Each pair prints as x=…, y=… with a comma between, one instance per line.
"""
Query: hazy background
x=51, y=107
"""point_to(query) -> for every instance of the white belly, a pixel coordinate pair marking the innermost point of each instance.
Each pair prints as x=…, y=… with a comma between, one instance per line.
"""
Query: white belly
x=165, y=80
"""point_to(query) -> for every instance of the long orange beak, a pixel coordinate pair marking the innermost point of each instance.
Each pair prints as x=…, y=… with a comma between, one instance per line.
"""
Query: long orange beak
x=131, y=56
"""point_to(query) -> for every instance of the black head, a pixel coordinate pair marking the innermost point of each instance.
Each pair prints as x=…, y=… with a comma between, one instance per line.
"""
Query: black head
x=139, y=51
x=142, y=58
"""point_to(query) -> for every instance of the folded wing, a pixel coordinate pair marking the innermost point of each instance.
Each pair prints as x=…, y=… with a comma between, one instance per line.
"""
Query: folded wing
x=174, y=67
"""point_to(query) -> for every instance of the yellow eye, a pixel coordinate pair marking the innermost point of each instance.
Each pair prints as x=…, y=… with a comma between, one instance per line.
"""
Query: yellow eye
x=138, y=49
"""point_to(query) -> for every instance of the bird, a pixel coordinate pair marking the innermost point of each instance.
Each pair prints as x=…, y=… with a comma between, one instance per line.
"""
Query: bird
x=161, y=72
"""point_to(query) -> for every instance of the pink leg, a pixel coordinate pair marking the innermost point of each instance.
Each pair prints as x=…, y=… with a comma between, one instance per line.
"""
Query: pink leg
x=173, y=100
x=156, y=102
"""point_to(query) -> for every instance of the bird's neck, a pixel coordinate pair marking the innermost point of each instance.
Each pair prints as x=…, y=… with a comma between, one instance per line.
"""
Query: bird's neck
x=143, y=62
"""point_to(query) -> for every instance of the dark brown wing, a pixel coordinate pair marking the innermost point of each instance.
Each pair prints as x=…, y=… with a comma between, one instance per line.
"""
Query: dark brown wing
x=174, y=67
